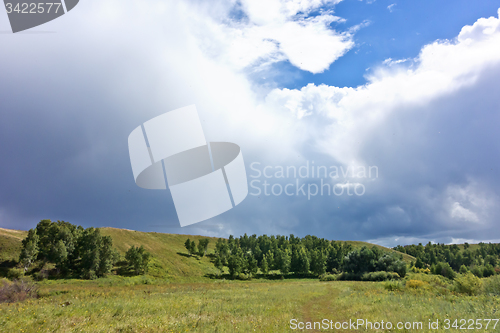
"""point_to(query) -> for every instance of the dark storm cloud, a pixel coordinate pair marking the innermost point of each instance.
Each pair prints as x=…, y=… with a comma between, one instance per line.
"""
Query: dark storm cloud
x=69, y=101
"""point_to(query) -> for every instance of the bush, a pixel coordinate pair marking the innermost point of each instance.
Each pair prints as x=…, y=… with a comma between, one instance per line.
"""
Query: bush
x=380, y=276
x=444, y=269
x=488, y=271
x=415, y=284
x=348, y=277
x=463, y=269
x=477, y=271
x=329, y=277
x=17, y=291
x=468, y=284
x=420, y=270
x=491, y=285
x=393, y=286
x=15, y=273
x=335, y=271
x=4, y=281
x=243, y=276
x=41, y=275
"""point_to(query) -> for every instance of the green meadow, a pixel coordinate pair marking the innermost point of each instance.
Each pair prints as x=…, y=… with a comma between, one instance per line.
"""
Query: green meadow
x=178, y=295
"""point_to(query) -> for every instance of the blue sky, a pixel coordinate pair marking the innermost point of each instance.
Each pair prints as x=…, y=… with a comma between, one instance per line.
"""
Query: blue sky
x=398, y=32
x=409, y=87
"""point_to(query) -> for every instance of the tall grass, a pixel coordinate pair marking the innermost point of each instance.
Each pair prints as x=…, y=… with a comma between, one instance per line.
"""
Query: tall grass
x=147, y=304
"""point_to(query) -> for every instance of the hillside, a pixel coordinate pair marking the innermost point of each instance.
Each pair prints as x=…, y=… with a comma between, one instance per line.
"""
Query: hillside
x=357, y=244
x=10, y=243
x=170, y=258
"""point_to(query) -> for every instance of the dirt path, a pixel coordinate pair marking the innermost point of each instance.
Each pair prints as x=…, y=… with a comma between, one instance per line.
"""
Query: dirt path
x=326, y=307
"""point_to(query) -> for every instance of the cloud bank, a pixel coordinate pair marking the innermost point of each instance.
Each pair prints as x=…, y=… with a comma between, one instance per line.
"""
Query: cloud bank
x=70, y=99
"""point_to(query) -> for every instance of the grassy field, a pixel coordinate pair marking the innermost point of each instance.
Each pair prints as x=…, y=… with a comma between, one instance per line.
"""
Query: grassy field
x=178, y=296
x=141, y=304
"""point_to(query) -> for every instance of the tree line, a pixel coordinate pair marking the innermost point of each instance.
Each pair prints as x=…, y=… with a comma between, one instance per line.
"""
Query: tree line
x=247, y=255
x=449, y=259
x=75, y=251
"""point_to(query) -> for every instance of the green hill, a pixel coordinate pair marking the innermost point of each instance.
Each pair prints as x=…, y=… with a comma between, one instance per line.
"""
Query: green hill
x=357, y=244
x=10, y=244
x=170, y=258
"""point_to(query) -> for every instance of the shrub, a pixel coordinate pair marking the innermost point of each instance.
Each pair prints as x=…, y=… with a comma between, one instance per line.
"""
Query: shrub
x=393, y=286
x=415, y=284
x=348, y=277
x=444, y=269
x=15, y=273
x=41, y=275
x=463, y=269
x=4, y=281
x=488, y=271
x=380, y=276
x=491, y=285
x=329, y=277
x=17, y=291
x=468, y=284
x=420, y=270
x=477, y=271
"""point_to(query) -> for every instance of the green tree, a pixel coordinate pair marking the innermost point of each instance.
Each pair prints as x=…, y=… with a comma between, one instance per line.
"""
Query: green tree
x=219, y=264
x=222, y=251
x=59, y=255
x=283, y=261
x=360, y=261
x=82, y=252
x=88, y=250
x=29, y=250
x=264, y=266
x=252, y=265
x=299, y=261
x=193, y=247
x=444, y=269
x=235, y=264
x=108, y=256
x=488, y=271
x=318, y=262
x=187, y=245
x=138, y=259
x=203, y=246
x=419, y=263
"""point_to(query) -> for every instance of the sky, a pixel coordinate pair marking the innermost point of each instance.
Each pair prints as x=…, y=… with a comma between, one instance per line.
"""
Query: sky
x=398, y=101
